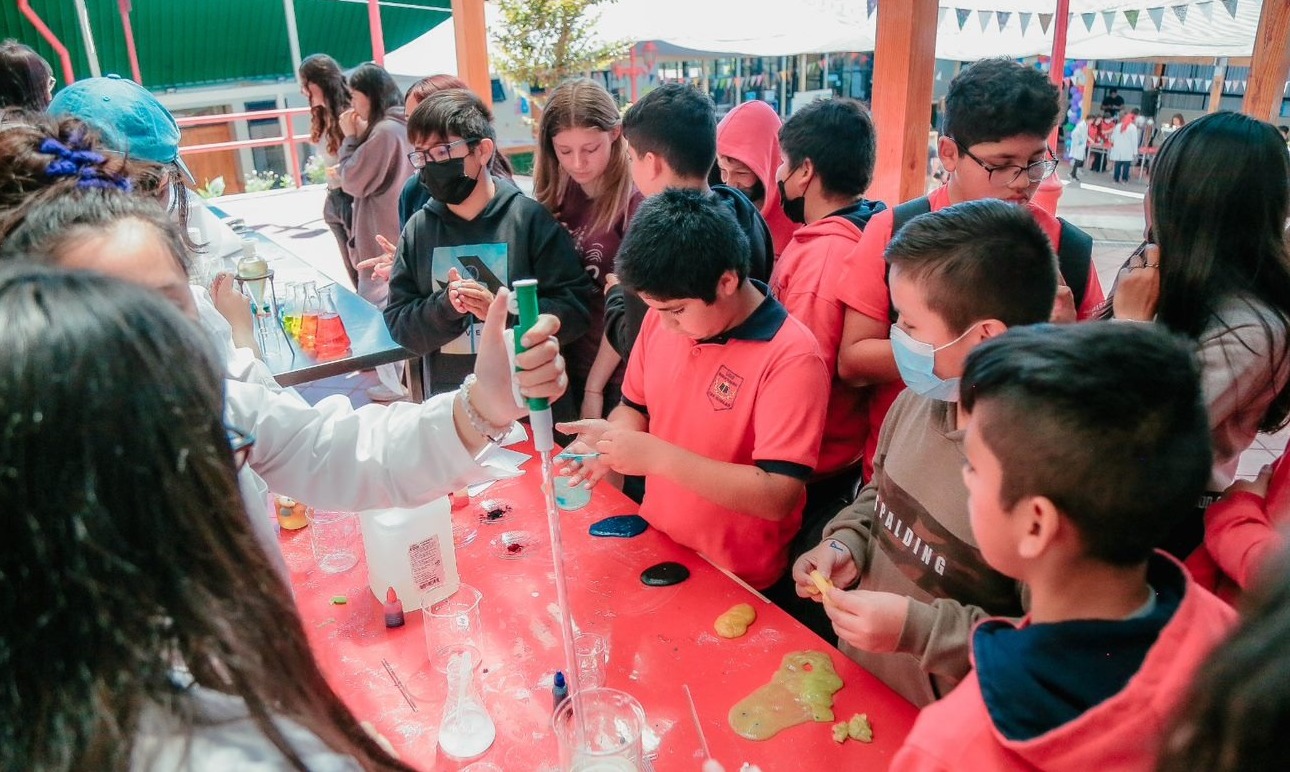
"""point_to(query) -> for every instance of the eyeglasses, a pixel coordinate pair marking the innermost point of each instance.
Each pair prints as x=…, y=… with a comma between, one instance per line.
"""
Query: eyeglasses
x=240, y=442
x=438, y=154
x=1006, y=175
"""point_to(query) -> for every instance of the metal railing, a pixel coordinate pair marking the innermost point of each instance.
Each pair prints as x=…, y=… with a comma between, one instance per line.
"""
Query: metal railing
x=286, y=139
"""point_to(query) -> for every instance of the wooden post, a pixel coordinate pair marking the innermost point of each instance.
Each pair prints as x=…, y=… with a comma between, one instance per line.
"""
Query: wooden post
x=1271, y=62
x=471, y=34
x=904, y=67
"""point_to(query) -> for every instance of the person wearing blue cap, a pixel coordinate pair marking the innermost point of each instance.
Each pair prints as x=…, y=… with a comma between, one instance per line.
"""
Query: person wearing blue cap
x=132, y=121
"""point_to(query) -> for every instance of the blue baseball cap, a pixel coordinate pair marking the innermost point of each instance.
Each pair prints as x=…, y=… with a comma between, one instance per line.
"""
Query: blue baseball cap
x=128, y=116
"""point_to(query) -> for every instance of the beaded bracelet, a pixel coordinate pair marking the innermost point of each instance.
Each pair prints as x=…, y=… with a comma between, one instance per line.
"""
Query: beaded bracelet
x=493, y=432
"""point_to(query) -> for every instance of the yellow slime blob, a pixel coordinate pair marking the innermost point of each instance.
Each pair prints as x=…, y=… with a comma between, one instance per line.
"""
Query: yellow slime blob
x=801, y=690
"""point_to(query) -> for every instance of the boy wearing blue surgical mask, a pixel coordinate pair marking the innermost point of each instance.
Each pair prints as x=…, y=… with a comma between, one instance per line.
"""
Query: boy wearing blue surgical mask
x=908, y=578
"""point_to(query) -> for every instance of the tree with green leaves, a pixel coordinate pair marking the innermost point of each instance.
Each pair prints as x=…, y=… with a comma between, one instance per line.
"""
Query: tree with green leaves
x=543, y=42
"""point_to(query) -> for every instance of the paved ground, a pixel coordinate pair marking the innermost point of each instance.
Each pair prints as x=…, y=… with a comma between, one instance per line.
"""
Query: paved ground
x=1111, y=213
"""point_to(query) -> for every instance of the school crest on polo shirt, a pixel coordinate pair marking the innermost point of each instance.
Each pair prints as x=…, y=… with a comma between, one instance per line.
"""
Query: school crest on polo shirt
x=724, y=388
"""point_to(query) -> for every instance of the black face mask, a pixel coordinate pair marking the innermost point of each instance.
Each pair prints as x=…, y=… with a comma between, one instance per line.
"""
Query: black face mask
x=794, y=208
x=447, y=182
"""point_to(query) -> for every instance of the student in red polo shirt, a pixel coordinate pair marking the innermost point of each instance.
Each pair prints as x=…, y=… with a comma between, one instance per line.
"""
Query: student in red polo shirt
x=724, y=398
x=998, y=114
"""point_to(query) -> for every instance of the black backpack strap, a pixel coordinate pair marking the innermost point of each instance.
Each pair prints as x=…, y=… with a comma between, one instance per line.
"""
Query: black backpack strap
x=1074, y=259
x=901, y=215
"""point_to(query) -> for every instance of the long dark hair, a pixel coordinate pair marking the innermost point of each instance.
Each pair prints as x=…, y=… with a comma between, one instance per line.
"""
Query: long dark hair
x=373, y=82
x=126, y=538
x=324, y=120
x=1218, y=204
x=24, y=77
x=1235, y=716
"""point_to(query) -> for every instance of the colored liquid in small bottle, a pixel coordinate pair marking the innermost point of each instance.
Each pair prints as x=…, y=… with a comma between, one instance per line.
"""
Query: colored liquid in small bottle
x=291, y=322
x=331, y=338
x=308, y=330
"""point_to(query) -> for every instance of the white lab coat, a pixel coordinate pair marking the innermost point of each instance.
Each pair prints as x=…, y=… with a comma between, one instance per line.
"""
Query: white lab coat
x=331, y=455
x=1079, y=142
x=1124, y=142
x=223, y=736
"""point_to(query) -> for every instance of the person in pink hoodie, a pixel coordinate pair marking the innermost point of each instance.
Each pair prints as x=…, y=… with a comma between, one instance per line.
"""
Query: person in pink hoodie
x=748, y=154
x=1082, y=444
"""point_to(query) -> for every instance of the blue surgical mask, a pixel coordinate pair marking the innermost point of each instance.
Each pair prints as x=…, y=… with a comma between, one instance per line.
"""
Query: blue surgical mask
x=917, y=364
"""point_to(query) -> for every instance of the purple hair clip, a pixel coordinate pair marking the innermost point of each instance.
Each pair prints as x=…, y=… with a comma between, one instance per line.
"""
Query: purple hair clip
x=85, y=165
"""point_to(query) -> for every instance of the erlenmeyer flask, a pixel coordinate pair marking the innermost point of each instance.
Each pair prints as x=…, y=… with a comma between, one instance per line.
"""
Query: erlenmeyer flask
x=290, y=310
x=309, y=308
x=331, y=338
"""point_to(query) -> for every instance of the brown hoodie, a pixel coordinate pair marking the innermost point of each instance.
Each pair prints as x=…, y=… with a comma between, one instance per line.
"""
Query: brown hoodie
x=373, y=173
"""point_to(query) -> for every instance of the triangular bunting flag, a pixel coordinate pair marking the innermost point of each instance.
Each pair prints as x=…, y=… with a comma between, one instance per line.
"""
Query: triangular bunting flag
x=1045, y=21
x=1209, y=83
x=872, y=6
x=984, y=17
x=1230, y=5
x=940, y=15
x=938, y=75
x=1002, y=17
x=1244, y=83
x=1181, y=12
x=1109, y=18
x=1088, y=18
x=1191, y=84
x=1024, y=17
x=963, y=14
x=1155, y=81
x=1132, y=18
x=1171, y=81
x=1207, y=8
x=1157, y=15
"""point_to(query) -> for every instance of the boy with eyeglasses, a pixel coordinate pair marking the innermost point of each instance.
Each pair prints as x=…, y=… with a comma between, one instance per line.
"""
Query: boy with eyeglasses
x=994, y=144
x=477, y=234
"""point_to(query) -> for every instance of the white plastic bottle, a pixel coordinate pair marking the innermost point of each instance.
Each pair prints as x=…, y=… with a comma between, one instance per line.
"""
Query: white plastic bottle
x=411, y=550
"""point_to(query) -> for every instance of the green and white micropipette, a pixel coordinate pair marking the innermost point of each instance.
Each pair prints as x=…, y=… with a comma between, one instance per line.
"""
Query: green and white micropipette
x=544, y=441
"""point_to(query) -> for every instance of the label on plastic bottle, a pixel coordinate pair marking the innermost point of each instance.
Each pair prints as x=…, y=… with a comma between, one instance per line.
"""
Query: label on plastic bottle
x=426, y=558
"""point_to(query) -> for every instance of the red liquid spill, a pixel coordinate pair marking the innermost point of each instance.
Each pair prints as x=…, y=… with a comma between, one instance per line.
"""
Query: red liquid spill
x=331, y=338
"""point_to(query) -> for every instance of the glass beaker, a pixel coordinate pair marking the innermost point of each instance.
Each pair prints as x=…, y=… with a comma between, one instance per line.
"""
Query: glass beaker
x=335, y=540
x=309, y=308
x=452, y=625
x=330, y=339
x=612, y=723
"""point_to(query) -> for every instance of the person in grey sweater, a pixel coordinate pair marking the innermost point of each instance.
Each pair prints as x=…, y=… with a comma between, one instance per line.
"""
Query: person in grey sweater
x=373, y=165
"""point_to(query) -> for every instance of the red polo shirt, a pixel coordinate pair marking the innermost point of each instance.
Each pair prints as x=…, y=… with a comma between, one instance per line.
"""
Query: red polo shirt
x=755, y=395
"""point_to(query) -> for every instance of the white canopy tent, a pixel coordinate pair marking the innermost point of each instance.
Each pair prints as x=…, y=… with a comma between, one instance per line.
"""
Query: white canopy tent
x=967, y=29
